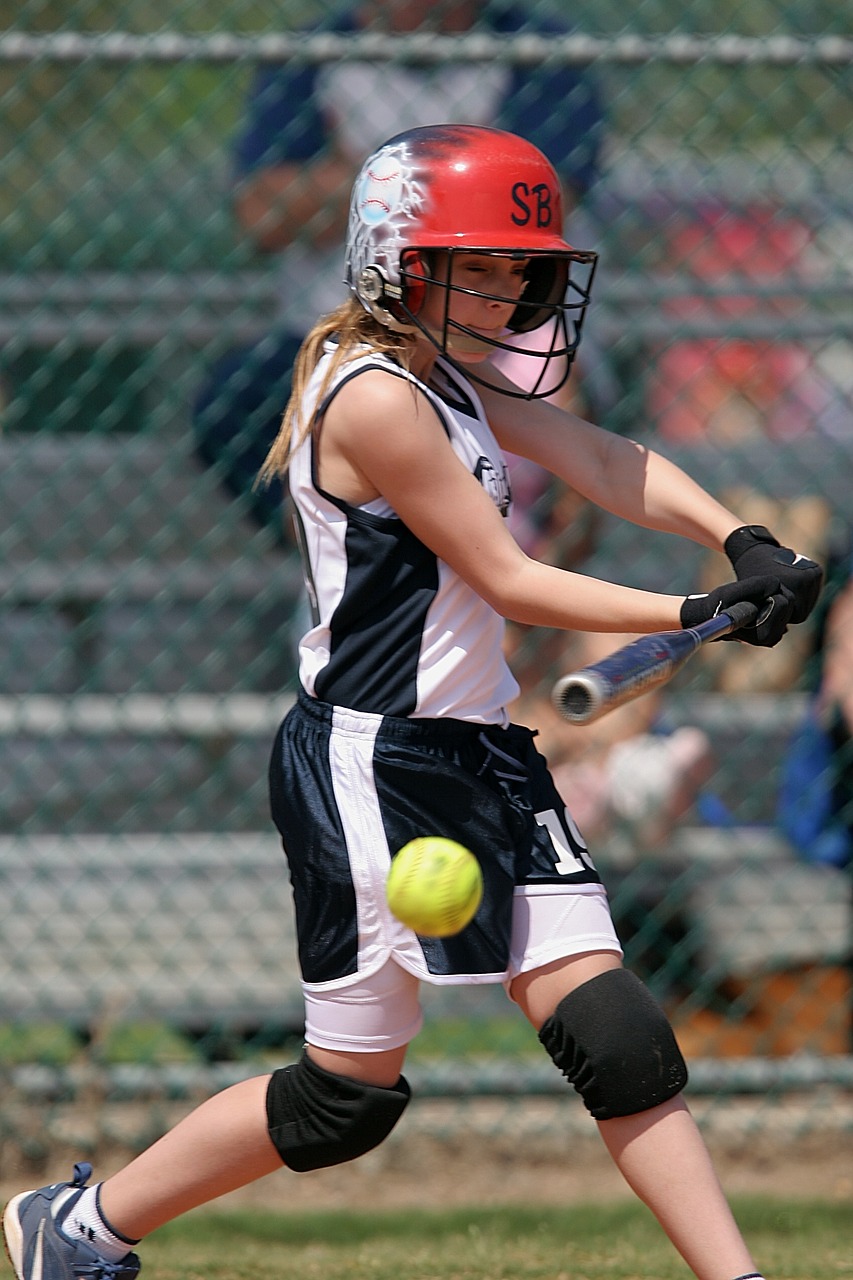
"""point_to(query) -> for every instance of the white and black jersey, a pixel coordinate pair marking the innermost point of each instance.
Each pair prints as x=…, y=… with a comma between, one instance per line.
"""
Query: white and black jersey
x=396, y=631
x=400, y=729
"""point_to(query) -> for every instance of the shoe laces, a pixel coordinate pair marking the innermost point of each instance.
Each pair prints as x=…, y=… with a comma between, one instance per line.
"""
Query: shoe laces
x=100, y=1269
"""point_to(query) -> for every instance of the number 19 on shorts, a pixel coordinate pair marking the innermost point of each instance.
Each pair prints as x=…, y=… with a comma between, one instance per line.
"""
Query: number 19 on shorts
x=568, y=861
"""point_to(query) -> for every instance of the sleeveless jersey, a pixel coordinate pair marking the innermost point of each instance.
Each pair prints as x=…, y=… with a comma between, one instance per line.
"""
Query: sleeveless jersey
x=396, y=631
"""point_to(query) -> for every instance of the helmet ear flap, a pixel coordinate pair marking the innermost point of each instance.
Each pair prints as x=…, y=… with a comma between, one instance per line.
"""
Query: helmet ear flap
x=396, y=303
x=415, y=270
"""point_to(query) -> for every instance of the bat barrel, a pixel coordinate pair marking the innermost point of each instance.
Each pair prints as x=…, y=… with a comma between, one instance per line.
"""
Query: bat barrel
x=580, y=698
x=641, y=666
x=585, y=695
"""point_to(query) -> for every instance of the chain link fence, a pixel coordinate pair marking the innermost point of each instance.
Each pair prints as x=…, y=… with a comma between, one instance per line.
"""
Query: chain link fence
x=151, y=599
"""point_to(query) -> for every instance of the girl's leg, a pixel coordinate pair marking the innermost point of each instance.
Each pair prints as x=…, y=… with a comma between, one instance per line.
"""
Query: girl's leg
x=660, y=1152
x=222, y=1145
x=663, y=1158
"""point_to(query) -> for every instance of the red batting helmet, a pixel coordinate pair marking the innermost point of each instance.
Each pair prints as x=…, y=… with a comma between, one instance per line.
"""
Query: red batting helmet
x=453, y=188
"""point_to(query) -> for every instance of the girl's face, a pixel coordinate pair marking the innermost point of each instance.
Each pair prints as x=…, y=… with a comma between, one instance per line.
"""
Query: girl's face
x=473, y=274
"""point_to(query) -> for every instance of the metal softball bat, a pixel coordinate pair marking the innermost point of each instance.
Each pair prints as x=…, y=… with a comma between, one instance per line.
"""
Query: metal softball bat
x=643, y=665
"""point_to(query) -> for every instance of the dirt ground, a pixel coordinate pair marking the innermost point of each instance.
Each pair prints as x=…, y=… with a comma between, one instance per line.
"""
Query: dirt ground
x=481, y=1152
x=541, y=1160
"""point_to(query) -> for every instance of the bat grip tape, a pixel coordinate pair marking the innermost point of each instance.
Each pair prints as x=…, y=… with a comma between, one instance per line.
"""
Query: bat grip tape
x=745, y=614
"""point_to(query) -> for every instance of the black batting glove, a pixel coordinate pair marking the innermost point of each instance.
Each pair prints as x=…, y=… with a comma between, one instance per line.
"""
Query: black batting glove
x=772, y=599
x=753, y=551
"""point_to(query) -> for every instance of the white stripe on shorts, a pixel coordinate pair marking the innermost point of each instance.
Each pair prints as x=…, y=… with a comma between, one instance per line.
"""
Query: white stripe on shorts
x=351, y=747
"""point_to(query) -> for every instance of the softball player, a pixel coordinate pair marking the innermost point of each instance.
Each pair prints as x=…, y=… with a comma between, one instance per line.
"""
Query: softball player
x=393, y=439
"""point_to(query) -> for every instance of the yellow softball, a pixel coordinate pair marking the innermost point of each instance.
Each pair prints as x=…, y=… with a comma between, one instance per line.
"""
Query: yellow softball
x=434, y=886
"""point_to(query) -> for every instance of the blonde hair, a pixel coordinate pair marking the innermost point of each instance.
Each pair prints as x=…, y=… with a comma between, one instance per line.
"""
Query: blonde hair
x=353, y=328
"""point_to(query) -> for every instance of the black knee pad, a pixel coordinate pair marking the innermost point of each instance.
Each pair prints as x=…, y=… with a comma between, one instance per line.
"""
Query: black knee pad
x=317, y=1119
x=613, y=1042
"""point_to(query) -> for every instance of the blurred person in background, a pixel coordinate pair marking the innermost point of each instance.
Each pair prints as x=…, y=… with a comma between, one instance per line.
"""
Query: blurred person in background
x=304, y=135
x=815, y=806
x=627, y=774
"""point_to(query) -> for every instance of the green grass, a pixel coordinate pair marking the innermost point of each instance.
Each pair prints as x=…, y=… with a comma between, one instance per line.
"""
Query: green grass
x=55, y=1044
x=489, y=1037
x=51, y=1044
x=151, y=1043
x=792, y=1240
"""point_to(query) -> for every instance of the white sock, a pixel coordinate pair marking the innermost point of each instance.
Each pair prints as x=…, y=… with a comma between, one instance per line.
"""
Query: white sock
x=86, y=1222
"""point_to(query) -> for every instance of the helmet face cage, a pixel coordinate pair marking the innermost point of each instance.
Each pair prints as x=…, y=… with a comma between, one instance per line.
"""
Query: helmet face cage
x=557, y=290
x=432, y=193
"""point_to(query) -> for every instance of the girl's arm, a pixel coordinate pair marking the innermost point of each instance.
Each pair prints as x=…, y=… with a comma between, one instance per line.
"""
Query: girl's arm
x=381, y=437
x=615, y=473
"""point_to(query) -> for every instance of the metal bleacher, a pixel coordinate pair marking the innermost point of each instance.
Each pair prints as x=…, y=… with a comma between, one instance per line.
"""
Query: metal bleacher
x=153, y=644
x=149, y=629
x=146, y=617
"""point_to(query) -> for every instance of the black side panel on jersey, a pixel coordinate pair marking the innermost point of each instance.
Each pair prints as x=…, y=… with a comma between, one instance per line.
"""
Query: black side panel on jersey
x=377, y=628
x=391, y=580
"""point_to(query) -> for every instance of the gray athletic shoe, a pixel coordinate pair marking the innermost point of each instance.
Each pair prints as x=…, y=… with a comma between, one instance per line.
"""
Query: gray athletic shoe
x=37, y=1247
